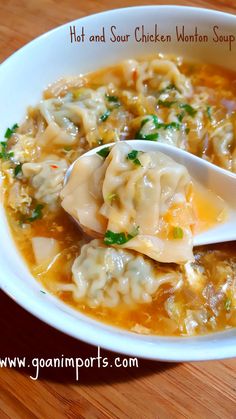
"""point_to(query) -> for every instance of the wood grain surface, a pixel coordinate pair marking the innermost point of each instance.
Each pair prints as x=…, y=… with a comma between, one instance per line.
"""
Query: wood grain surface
x=153, y=390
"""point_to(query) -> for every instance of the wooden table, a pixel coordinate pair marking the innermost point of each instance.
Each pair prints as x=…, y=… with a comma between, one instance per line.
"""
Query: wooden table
x=154, y=390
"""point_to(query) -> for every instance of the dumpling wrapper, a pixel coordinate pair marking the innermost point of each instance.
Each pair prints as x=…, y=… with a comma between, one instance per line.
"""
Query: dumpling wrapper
x=151, y=198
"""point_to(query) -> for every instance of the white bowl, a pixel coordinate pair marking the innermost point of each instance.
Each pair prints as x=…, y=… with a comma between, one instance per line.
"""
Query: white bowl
x=22, y=79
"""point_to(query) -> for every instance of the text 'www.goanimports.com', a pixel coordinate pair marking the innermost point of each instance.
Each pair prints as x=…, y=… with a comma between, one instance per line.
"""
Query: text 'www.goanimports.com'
x=76, y=363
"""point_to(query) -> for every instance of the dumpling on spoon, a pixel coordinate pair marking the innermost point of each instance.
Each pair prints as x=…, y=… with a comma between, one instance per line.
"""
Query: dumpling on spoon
x=135, y=200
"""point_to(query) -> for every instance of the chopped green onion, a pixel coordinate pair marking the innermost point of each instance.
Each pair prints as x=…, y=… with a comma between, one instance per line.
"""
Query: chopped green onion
x=4, y=154
x=178, y=233
x=228, y=304
x=180, y=116
x=36, y=213
x=67, y=148
x=3, y=144
x=169, y=87
x=21, y=223
x=171, y=125
x=153, y=118
x=118, y=238
x=43, y=292
x=158, y=125
x=112, y=197
x=208, y=111
x=189, y=109
x=112, y=98
x=133, y=156
x=17, y=169
x=150, y=137
x=104, y=152
x=165, y=103
x=10, y=131
x=104, y=116
x=144, y=121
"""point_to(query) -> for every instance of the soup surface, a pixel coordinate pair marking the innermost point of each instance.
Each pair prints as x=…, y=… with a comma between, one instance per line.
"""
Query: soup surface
x=187, y=105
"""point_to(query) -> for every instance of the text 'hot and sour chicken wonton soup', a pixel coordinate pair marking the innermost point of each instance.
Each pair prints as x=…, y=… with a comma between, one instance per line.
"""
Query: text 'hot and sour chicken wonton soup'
x=115, y=240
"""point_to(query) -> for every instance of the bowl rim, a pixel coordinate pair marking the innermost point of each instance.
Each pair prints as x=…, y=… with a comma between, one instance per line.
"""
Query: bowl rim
x=162, y=348
x=110, y=11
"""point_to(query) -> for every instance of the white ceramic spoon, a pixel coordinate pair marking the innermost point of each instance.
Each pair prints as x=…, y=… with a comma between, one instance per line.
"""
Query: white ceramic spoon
x=219, y=181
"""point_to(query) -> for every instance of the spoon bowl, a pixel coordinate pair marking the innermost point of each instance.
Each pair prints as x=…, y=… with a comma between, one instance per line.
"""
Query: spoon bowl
x=219, y=181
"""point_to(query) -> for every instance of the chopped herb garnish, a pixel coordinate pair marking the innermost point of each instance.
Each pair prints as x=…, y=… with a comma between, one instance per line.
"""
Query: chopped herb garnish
x=178, y=233
x=112, y=98
x=166, y=103
x=144, y=121
x=17, y=169
x=112, y=197
x=4, y=154
x=171, y=125
x=43, y=292
x=189, y=109
x=100, y=141
x=150, y=137
x=187, y=130
x=169, y=87
x=167, y=126
x=180, y=116
x=208, y=111
x=133, y=156
x=104, y=152
x=135, y=231
x=227, y=305
x=67, y=148
x=118, y=238
x=10, y=131
x=158, y=125
x=36, y=213
x=153, y=118
x=3, y=144
x=104, y=116
x=21, y=223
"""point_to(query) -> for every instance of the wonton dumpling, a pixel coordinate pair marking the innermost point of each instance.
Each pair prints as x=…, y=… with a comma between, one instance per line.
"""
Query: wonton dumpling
x=47, y=179
x=65, y=115
x=164, y=72
x=61, y=129
x=223, y=144
x=82, y=196
x=169, y=73
x=104, y=276
x=145, y=198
